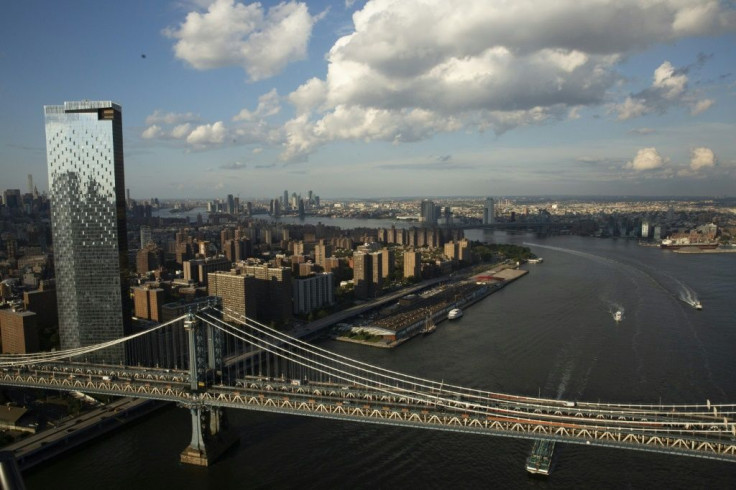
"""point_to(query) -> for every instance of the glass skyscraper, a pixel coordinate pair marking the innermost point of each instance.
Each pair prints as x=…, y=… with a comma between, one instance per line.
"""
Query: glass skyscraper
x=84, y=146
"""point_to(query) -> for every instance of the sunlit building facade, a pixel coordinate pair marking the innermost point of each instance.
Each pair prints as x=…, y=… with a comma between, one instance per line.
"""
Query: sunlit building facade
x=84, y=146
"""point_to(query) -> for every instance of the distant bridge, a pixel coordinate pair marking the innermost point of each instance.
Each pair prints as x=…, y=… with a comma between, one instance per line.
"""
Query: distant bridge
x=538, y=226
x=282, y=374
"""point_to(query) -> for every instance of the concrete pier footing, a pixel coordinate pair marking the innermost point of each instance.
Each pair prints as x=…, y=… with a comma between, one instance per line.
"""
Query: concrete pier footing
x=210, y=437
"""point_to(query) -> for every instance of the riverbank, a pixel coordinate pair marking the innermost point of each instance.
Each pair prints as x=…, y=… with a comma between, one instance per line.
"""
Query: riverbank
x=718, y=250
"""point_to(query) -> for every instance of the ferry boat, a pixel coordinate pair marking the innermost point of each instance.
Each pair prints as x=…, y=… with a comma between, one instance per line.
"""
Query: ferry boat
x=454, y=314
x=618, y=316
x=539, y=461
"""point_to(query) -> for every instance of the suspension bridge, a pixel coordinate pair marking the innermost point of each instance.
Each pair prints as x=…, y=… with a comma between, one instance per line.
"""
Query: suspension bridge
x=230, y=361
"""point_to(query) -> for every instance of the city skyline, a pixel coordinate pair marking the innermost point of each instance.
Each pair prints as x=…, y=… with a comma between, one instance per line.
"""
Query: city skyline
x=369, y=99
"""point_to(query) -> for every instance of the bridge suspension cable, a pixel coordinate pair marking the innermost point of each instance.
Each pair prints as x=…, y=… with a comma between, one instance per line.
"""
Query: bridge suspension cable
x=12, y=360
x=454, y=390
x=316, y=366
x=478, y=401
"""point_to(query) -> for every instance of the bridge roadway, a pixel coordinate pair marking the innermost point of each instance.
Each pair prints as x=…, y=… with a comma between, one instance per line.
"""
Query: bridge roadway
x=705, y=431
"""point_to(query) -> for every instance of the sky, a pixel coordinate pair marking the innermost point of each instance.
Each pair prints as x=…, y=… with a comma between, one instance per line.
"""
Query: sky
x=384, y=98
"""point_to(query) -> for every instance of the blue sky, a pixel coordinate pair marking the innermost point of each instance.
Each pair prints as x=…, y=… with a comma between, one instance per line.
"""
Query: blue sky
x=384, y=98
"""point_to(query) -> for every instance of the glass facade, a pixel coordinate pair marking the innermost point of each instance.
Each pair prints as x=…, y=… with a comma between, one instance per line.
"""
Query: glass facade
x=84, y=146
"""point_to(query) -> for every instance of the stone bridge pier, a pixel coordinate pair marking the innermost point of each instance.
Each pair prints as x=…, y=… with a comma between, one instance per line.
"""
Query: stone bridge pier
x=210, y=435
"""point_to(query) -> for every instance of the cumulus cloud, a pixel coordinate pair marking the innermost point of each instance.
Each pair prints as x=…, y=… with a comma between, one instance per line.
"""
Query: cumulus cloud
x=151, y=132
x=181, y=131
x=206, y=134
x=231, y=33
x=669, y=88
x=701, y=106
x=701, y=158
x=670, y=83
x=268, y=105
x=410, y=69
x=646, y=159
x=486, y=65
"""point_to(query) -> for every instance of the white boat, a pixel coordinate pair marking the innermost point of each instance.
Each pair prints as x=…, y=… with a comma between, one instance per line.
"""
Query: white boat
x=618, y=316
x=537, y=260
x=454, y=314
x=698, y=306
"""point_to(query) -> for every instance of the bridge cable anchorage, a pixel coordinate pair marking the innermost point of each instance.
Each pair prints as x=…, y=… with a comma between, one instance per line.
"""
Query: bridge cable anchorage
x=476, y=406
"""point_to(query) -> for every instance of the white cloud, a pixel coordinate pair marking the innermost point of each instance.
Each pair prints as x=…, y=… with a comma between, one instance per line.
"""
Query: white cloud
x=231, y=33
x=412, y=68
x=181, y=131
x=206, y=134
x=671, y=84
x=487, y=65
x=151, y=132
x=646, y=159
x=631, y=108
x=668, y=89
x=309, y=95
x=701, y=106
x=699, y=17
x=268, y=105
x=701, y=158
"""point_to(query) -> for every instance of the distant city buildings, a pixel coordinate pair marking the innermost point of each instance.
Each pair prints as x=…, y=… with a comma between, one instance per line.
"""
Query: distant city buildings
x=429, y=213
x=412, y=264
x=84, y=145
x=259, y=292
x=489, y=216
x=19, y=331
x=367, y=274
x=313, y=292
x=148, y=302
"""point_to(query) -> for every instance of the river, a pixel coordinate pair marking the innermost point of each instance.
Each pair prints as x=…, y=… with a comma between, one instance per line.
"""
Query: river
x=551, y=333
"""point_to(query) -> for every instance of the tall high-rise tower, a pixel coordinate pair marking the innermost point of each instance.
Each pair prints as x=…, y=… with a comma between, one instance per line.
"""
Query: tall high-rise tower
x=428, y=214
x=84, y=147
x=489, y=216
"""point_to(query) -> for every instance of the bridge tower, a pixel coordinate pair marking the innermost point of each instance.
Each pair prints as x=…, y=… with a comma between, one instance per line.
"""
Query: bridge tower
x=210, y=437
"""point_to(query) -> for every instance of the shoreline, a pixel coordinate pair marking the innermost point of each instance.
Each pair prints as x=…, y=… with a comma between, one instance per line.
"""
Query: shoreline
x=705, y=251
x=501, y=277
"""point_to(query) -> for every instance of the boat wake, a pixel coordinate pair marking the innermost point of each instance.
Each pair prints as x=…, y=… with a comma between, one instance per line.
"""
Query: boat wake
x=687, y=295
x=684, y=293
